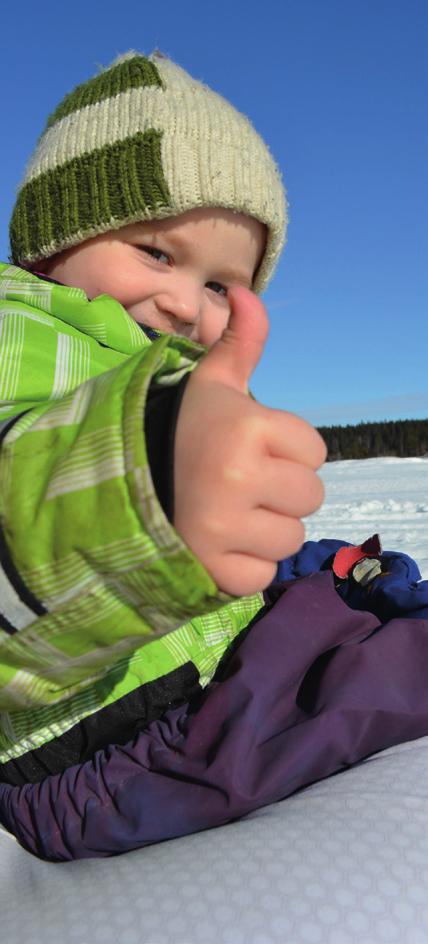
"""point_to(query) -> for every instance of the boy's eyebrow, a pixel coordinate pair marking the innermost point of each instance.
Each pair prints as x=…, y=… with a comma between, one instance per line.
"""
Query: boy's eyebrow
x=234, y=276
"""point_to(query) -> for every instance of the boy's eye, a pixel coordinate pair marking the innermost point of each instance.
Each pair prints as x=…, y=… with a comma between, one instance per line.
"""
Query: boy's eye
x=217, y=287
x=155, y=253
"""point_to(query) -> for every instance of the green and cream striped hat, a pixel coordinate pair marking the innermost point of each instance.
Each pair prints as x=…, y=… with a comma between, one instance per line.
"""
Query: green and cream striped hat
x=143, y=140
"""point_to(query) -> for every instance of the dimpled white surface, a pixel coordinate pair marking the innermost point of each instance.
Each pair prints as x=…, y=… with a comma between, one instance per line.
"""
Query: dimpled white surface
x=342, y=862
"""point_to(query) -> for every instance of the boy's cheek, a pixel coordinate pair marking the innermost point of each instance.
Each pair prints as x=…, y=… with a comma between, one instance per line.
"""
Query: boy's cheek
x=212, y=329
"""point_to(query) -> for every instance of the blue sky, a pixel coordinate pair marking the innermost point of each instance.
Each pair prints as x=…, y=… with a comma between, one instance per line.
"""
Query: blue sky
x=339, y=90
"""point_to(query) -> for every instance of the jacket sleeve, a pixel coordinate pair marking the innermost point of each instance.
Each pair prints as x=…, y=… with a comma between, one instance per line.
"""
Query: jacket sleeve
x=90, y=565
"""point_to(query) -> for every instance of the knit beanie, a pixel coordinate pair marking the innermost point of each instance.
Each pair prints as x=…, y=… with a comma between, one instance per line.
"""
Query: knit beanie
x=143, y=140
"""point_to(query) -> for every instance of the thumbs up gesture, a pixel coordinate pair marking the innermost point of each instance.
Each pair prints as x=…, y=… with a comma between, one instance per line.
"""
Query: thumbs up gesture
x=244, y=474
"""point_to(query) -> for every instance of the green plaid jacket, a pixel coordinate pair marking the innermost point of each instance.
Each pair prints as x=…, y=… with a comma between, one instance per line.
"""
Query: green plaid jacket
x=98, y=594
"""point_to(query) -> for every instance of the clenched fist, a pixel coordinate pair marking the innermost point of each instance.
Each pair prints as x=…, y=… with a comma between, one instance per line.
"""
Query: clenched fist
x=244, y=473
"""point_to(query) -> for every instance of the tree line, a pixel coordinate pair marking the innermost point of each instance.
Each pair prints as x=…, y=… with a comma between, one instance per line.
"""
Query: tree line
x=367, y=440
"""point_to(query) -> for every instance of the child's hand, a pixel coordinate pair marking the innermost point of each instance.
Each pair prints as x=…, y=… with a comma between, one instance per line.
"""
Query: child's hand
x=244, y=473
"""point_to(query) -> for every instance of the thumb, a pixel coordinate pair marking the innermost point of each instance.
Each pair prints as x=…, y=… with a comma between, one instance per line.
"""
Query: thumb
x=232, y=359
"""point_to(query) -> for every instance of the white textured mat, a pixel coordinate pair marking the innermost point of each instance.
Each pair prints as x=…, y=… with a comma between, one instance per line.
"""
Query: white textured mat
x=342, y=862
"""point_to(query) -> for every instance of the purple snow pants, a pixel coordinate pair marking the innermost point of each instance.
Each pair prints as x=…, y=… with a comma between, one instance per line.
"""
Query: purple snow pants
x=314, y=687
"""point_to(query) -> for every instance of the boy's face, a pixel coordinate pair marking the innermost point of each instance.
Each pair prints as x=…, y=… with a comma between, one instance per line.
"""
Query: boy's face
x=170, y=274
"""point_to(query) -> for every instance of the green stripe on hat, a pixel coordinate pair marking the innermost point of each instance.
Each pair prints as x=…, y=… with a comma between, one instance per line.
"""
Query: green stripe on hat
x=119, y=182
x=135, y=72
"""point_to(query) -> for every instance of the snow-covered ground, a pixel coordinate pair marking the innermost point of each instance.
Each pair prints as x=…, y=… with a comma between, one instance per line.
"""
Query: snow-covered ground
x=388, y=496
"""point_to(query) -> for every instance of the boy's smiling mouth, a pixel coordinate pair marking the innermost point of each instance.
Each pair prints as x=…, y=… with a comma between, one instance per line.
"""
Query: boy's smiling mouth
x=169, y=325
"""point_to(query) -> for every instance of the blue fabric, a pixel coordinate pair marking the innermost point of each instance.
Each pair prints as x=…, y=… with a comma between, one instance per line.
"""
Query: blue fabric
x=312, y=557
x=397, y=591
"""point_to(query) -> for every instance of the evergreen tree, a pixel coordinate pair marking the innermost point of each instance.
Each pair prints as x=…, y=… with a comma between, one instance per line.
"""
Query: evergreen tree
x=369, y=440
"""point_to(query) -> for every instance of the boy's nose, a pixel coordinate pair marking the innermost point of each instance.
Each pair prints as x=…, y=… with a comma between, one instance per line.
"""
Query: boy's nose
x=182, y=301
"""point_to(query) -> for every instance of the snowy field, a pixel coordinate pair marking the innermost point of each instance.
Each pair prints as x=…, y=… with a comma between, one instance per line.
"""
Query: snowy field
x=388, y=496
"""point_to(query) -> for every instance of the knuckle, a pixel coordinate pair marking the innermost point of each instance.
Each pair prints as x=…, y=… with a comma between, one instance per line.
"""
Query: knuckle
x=236, y=473
x=321, y=492
x=299, y=532
x=315, y=493
x=214, y=525
x=312, y=488
x=295, y=537
x=321, y=453
x=254, y=426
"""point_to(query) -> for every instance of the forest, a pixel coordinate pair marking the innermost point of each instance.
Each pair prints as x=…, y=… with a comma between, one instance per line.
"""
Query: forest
x=367, y=440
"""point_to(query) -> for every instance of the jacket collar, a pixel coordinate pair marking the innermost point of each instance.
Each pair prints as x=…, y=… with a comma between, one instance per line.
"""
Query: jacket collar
x=103, y=318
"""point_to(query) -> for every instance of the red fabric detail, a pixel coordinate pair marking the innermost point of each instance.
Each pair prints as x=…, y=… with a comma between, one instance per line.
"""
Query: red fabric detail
x=347, y=557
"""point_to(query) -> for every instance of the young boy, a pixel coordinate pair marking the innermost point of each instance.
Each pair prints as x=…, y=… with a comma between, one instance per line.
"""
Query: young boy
x=141, y=487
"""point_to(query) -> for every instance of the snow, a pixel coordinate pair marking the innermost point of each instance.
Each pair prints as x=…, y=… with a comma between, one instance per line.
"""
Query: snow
x=388, y=496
